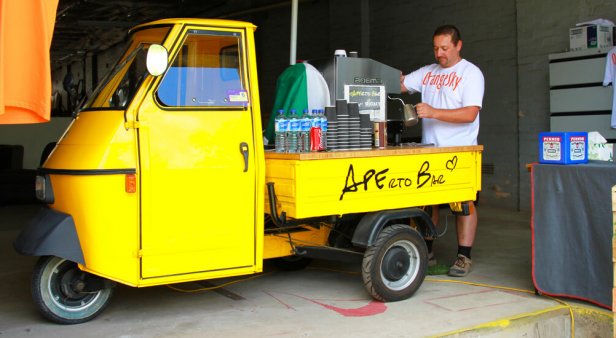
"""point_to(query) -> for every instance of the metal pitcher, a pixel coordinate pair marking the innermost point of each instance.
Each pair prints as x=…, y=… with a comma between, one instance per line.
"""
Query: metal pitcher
x=410, y=114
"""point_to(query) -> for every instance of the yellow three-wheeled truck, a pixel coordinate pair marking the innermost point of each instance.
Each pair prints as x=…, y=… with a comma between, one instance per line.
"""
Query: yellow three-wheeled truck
x=163, y=178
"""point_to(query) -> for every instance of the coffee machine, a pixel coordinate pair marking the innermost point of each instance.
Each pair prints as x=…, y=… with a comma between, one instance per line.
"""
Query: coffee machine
x=369, y=83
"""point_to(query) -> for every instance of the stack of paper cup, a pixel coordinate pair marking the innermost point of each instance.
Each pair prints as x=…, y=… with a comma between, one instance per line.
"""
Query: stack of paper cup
x=332, y=129
x=354, y=129
x=365, y=131
x=344, y=124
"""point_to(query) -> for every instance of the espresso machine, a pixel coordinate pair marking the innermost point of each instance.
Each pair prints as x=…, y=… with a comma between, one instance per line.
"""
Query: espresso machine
x=348, y=75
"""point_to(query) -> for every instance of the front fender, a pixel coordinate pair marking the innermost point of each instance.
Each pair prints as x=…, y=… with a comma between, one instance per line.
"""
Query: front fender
x=50, y=233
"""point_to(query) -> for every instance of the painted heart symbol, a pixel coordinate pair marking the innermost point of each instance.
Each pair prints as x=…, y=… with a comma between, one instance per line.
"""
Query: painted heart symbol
x=451, y=164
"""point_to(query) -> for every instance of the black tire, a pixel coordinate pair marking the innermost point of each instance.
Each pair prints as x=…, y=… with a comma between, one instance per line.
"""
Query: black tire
x=291, y=263
x=54, y=289
x=396, y=265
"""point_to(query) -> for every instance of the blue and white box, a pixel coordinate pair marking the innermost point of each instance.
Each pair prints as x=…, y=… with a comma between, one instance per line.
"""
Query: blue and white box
x=563, y=147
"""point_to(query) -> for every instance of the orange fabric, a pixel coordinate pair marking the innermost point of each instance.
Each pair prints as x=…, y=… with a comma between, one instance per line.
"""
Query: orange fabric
x=26, y=30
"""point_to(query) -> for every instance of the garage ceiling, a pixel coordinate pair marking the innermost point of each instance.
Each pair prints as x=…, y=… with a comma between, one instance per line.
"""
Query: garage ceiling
x=84, y=26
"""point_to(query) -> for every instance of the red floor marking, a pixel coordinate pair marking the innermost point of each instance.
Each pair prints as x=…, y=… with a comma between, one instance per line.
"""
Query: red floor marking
x=370, y=309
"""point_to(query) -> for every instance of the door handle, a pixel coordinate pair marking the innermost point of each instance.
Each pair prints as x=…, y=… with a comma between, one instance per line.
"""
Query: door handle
x=244, y=151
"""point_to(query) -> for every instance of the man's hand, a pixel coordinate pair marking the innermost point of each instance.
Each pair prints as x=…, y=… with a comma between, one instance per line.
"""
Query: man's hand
x=425, y=110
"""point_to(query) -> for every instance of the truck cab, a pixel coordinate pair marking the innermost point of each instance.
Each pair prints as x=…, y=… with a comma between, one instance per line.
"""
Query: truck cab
x=178, y=153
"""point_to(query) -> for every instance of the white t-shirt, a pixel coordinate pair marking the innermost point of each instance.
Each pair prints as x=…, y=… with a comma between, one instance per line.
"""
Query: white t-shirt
x=448, y=88
x=610, y=76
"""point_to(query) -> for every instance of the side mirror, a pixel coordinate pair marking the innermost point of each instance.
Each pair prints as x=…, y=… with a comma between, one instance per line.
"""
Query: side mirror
x=156, y=60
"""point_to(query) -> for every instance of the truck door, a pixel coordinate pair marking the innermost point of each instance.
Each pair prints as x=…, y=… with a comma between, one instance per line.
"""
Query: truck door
x=197, y=162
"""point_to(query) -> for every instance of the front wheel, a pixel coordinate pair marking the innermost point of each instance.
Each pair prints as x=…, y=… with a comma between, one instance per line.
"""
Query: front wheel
x=395, y=266
x=62, y=294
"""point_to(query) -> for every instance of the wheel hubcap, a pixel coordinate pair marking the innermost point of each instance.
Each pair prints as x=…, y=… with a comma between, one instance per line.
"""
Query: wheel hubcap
x=66, y=287
x=396, y=263
x=400, y=265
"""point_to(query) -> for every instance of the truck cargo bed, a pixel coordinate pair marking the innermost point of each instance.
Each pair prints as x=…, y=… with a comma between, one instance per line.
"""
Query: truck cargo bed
x=338, y=183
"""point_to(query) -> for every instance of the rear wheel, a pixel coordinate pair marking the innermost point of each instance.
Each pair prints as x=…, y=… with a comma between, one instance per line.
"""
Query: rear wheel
x=395, y=266
x=62, y=294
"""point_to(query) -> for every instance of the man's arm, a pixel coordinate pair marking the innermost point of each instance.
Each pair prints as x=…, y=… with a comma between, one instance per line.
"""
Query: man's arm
x=459, y=115
x=403, y=88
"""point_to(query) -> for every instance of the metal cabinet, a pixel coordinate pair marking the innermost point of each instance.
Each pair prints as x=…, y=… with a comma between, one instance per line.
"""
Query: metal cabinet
x=578, y=101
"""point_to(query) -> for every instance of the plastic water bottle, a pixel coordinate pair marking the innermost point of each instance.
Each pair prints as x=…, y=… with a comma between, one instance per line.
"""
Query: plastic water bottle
x=281, y=125
x=292, y=133
x=300, y=135
x=323, y=119
x=304, y=134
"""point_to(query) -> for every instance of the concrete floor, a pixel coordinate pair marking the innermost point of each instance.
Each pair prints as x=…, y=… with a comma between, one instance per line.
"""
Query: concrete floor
x=326, y=299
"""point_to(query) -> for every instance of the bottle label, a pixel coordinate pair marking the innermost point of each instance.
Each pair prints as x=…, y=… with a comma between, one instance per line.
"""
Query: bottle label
x=294, y=125
x=282, y=125
x=306, y=125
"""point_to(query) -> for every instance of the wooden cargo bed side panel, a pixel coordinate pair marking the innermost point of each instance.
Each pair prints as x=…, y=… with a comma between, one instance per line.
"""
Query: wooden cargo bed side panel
x=282, y=173
x=335, y=186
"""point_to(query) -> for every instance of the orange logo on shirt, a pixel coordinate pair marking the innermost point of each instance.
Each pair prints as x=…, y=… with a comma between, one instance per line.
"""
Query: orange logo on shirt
x=439, y=80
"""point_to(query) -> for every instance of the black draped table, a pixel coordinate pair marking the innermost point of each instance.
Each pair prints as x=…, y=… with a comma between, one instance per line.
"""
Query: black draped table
x=572, y=230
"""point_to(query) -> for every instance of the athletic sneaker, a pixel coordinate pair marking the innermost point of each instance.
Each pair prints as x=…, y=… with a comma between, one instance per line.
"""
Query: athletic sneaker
x=431, y=259
x=461, y=267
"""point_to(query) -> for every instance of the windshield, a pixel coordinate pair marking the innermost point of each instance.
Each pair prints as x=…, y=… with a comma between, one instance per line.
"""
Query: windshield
x=120, y=85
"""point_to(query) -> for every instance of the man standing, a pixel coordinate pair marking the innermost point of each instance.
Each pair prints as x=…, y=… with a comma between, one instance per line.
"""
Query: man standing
x=451, y=97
